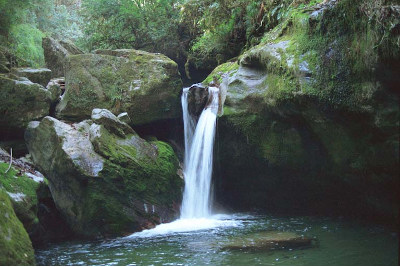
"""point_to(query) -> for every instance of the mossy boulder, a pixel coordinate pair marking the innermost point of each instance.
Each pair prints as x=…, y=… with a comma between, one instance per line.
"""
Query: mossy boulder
x=23, y=193
x=55, y=53
x=41, y=76
x=105, y=183
x=15, y=245
x=144, y=85
x=311, y=114
x=21, y=101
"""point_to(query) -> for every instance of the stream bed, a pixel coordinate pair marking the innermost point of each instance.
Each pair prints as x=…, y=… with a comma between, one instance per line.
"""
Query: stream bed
x=335, y=242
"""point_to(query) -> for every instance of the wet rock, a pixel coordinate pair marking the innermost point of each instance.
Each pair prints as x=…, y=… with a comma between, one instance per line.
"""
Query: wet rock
x=197, y=99
x=144, y=85
x=269, y=240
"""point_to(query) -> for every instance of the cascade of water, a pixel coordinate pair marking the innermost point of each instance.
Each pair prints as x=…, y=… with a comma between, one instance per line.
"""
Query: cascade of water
x=189, y=124
x=199, y=157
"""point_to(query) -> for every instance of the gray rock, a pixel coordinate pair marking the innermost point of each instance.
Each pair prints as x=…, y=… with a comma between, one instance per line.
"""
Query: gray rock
x=102, y=182
x=54, y=88
x=20, y=103
x=41, y=76
x=55, y=54
x=111, y=122
x=124, y=117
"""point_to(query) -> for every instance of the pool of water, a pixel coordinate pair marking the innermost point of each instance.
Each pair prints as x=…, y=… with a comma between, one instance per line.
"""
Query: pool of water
x=339, y=242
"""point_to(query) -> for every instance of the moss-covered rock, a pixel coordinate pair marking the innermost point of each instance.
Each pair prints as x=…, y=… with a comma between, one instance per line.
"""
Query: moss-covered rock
x=55, y=53
x=144, y=85
x=22, y=191
x=20, y=102
x=105, y=183
x=312, y=112
x=15, y=246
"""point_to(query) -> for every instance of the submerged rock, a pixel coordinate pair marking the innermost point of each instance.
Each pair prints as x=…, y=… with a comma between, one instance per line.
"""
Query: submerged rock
x=144, y=85
x=104, y=178
x=268, y=240
x=21, y=101
x=15, y=246
x=41, y=76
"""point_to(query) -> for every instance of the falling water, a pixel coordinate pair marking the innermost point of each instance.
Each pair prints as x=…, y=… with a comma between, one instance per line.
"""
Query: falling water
x=199, y=158
x=199, y=142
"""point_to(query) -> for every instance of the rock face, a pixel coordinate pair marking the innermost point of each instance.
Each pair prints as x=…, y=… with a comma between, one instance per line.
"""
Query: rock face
x=15, y=246
x=104, y=178
x=41, y=76
x=144, y=85
x=55, y=53
x=21, y=101
x=308, y=114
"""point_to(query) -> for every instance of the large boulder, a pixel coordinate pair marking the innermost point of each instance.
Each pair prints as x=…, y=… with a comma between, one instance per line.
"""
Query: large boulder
x=21, y=101
x=41, y=76
x=144, y=85
x=311, y=121
x=55, y=53
x=15, y=246
x=103, y=177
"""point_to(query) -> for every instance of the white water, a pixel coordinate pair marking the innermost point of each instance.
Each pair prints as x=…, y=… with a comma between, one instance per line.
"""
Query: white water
x=198, y=160
x=198, y=166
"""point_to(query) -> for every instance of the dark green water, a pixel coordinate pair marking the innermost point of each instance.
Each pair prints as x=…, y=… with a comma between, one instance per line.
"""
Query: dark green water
x=340, y=242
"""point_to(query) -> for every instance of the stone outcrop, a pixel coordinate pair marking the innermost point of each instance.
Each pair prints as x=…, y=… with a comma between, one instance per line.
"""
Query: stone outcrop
x=21, y=101
x=103, y=177
x=308, y=114
x=55, y=53
x=41, y=76
x=15, y=246
x=144, y=85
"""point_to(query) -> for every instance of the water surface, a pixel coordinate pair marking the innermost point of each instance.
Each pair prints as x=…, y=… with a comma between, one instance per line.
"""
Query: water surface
x=340, y=242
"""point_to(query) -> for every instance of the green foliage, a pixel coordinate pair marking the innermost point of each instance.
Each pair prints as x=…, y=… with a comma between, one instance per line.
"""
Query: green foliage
x=26, y=42
x=24, y=23
x=146, y=25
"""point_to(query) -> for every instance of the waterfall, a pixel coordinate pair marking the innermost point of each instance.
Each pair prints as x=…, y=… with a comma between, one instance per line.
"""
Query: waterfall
x=198, y=160
x=199, y=157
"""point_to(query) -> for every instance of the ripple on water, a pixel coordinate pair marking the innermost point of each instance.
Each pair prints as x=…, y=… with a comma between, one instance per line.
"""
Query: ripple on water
x=340, y=243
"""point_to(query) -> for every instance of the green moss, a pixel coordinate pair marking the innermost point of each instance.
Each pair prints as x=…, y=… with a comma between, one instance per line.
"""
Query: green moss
x=216, y=75
x=26, y=209
x=14, y=182
x=134, y=172
x=15, y=246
